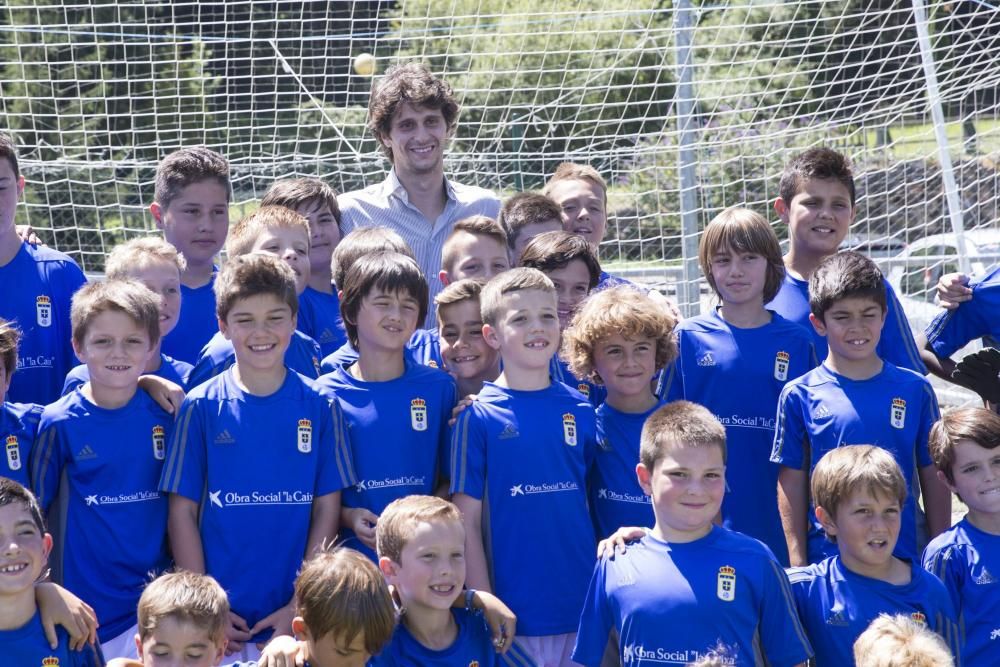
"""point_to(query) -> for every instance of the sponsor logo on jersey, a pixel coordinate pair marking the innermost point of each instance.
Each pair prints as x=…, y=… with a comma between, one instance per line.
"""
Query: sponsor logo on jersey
x=918, y=617
x=726, y=588
x=86, y=453
x=221, y=498
x=897, y=415
x=619, y=497
x=390, y=482
x=121, y=498
x=159, y=442
x=305, y=439
x=984, y=578
x=43, y=310
x=781, y=366
x=418, y=414
x=569, y=429
x=706, y=360
x=13, y=453
x=584, y=389
x=224, y=438
x=545, y=487
x=508, y=432
x=633, y=654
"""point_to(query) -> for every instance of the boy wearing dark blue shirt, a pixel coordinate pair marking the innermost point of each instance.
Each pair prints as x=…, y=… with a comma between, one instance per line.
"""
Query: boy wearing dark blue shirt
x=854, y=397
x=41, y=283
x=526, y=445
x=859, y=491
x=191, y=206
x=965, y=446
x=689, y=585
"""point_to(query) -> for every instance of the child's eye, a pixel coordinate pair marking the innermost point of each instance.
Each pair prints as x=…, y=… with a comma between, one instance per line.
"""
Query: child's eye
x=549, y=316
x=678, y=474
x=972, y=468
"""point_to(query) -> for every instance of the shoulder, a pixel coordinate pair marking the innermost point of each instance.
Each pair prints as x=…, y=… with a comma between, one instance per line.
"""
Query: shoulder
x=699, y=323
x=904, y=377
x=789, y=328
x=217, y=346
x=806, y=576
x=472, y=193
x=67, y=407
x=58, y=260
x=426, y=375
x=213, y=389
x=936, y=590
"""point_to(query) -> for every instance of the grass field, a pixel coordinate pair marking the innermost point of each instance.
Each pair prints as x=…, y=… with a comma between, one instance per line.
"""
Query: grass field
x=918, y=141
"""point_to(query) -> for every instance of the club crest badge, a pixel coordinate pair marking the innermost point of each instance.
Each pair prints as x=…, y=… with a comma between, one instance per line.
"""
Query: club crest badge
x=418, y=414
x=43, y=310
x=584, y=389
x=159, y=442
x=781, y=366
x=897, y=418
x=431, y=363
x=726, y=590
x=918, y=617
x=50, y=661
x=305, y=436
x=13, y=453
x=569, y=429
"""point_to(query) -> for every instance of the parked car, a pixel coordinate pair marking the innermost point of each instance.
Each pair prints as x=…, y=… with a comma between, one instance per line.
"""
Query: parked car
x=915, y=271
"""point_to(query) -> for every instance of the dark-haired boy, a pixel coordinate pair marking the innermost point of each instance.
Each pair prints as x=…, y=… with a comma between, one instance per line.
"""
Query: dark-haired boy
x=526, y=215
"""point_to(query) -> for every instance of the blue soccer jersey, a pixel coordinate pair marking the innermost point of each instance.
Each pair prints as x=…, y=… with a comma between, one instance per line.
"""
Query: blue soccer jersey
x=836, y=605
x=319, y=318
x=170, y=369
x=97, y=471
x=559, y=372
x=472, y=646
x=423, y=348
x=525, y=455
x=27, y=646
x=18, y=428
x=673, y=603
x=254, y=464
x=399, y=435
x=823, y=410
x=967, y=560
x=952, y=330
x=606, y=280
x=41, y=284
x=616, y=499
x=196, y=324
x=738, y=374
x=896, y=345
x=302, y=356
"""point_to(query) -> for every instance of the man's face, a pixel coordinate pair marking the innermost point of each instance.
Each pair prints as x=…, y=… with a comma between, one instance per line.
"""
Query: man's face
x=417, y=138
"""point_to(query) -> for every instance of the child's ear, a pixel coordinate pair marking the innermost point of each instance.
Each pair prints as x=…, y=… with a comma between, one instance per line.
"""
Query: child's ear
x=644, y=475
x=827, y=521
x=820, y=326
x=490, y=336
x=389, y=568
x=157, y=212
x=138, y=646
x=222, y=327
x=781, y=209
x=299, y=628
x=943, y=478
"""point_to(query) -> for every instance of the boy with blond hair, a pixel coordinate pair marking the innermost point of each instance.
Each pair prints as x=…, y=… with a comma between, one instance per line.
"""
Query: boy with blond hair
x=859, y=493
x=526, y=444
x=257, y=451
x=319, y=305
x=282, y=233
x=466, y=355
x=476, y=248
x=689, y=585
x=900, y=641
x=965, y=446
x=526, y=215
x=191, y=206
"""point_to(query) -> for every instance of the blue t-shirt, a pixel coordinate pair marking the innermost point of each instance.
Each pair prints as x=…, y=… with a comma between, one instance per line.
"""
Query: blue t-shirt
x=319, y=318
x=302, y=356
x=738, y=374
x=170, y=369
x=616, y=499
x=196, y=324
x=559, y=372
x=823, y=410
x=254, y=464
x=97, y=472
x=423, y=348
x=42, y=282
x=673, y=603
x=399, y=435
x=896, y=345
x=967, y=560
x=606, y=280
x=472, y=646
x=836, y=605
x=27, y=646
x=526, y=455
x=952, y=330
x=18, y=428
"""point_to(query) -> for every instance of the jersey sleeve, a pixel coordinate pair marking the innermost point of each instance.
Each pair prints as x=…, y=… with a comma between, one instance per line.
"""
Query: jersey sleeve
x=672, y=388
x=184, y=471
x=596, y=620
x=88, y=656
x=946, y=620
x=47, y=461
x=929, y=413
x=468, y=455
x=897, y=345
x=782, y=635
x=790, y=433
x=449, y=396
x=336, y=469
x=947, y=565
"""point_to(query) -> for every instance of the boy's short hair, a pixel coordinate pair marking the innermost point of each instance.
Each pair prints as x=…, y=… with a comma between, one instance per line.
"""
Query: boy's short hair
x=138, y=254
x=361, y=242
x=10, y=336
x=11, y=492
x=130, y=297
x=342, y=593
x=527, y=208
x=479, y=225
x=295, y=192
x=571, y=171
x=8, y=150
x=245, y=232
x=820, y=163
x=459, y=291
x=848, y=468
x=413, y=83
x=385, y=271
x=845, y=275
x=554, y=250
x=186, y=596
x=744, y=231
x=899, y=641
x=187, y=166
x=248, y=276
x=679, y=424
x=978, y=425
x=616, y=310
x=400, y=518
x=491, y=299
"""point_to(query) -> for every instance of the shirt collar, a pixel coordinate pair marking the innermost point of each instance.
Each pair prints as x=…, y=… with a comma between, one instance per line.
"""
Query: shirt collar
x=392, y=186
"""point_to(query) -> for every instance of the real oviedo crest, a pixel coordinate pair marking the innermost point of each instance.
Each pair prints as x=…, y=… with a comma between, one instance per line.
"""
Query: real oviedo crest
x=569, y=429
x=781, y=366
x=43, y=310
x=726, y=590
x=305, y=440
x=897, y=418
x=418, y=414
x=159, y=442
x=13, y=453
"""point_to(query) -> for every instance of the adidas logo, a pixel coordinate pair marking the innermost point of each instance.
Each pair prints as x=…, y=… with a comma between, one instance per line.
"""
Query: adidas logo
x=985, y=578
x=86, y=453
x=837, y=619
x=326, y=336
x=224, y=438
x=508, y=432
x=822, y=411
x=706, y=360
